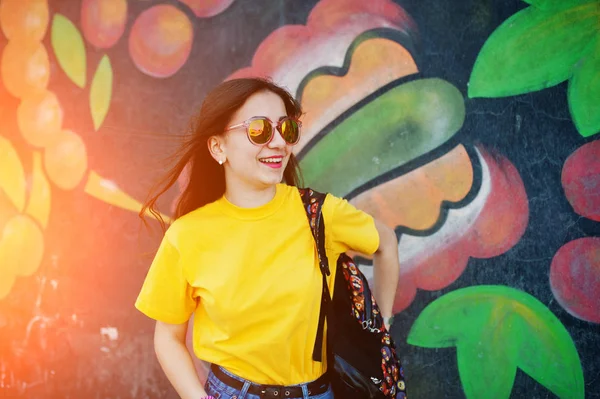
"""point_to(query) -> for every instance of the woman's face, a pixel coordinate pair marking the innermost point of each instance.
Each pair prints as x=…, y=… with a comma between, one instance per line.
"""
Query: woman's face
x=249, y=165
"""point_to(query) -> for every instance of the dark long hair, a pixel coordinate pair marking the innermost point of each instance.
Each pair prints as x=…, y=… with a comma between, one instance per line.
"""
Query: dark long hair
x=206, y=177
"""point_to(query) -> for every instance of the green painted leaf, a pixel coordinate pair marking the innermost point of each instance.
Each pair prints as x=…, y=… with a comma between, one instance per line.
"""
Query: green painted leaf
x=532, y=50
x=101, y=91
x=503, y=326
x=556, y=4
x=69, y=49
x=584, y=92
x=486, y=373
x=393, y=129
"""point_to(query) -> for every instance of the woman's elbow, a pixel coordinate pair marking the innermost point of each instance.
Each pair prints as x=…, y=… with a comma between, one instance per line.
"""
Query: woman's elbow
x=165, y=332
x=387, y=238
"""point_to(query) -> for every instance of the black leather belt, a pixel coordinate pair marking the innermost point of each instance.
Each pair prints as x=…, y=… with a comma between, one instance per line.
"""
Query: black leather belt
x=316, y=387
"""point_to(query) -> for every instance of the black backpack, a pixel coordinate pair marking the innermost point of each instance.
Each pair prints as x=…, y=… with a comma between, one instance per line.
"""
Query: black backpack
x=361, y=355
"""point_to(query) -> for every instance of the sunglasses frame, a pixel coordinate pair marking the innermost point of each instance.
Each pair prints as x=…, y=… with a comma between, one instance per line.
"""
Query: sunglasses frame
x=274, y=127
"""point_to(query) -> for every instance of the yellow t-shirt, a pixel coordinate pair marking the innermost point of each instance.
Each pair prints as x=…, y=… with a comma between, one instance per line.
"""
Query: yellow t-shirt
x=252, y=280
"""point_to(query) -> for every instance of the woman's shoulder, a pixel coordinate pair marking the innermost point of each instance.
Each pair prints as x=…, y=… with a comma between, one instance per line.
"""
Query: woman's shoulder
x=196, y=221
x=336, y=208
x=330, y=201
x=286, y=189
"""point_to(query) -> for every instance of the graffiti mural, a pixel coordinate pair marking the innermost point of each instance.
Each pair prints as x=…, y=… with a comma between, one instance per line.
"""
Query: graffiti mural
x=469, y=128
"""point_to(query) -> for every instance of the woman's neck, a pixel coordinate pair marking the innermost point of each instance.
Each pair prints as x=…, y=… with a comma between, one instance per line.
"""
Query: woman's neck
x=244, y=197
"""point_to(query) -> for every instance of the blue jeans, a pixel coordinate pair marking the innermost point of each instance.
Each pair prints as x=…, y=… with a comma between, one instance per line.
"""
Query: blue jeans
x=220, y=390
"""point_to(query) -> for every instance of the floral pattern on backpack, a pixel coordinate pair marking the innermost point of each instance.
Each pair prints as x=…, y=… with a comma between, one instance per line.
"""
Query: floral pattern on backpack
x=393, y=384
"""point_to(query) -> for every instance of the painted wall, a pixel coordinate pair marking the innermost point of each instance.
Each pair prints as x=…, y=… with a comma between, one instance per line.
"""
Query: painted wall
x=470, y=127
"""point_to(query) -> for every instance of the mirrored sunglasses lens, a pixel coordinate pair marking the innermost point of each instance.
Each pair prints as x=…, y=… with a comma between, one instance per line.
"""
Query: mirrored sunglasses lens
x=290, y=131
x=259, y=131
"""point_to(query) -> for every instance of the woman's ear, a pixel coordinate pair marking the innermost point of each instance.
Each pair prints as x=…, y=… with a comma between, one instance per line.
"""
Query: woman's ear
x=217, y=149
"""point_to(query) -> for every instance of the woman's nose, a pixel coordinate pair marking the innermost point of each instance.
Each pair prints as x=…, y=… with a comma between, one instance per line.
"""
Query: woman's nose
x=277, y=141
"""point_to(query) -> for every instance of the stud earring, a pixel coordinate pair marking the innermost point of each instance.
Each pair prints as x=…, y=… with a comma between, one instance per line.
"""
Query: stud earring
x=221, y=162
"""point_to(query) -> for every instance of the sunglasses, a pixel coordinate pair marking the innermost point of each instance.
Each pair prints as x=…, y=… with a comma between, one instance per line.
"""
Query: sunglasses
x=260, y=129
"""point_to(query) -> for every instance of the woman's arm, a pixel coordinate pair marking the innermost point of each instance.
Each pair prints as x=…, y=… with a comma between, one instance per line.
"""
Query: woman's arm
x=176, y=361
x=386, y=269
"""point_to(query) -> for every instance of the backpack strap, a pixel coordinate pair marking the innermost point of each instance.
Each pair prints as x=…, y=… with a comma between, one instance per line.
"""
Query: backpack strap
x=313, y=202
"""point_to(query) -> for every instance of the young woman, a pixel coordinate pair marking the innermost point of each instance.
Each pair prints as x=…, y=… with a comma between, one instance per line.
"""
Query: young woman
x=240, y=255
